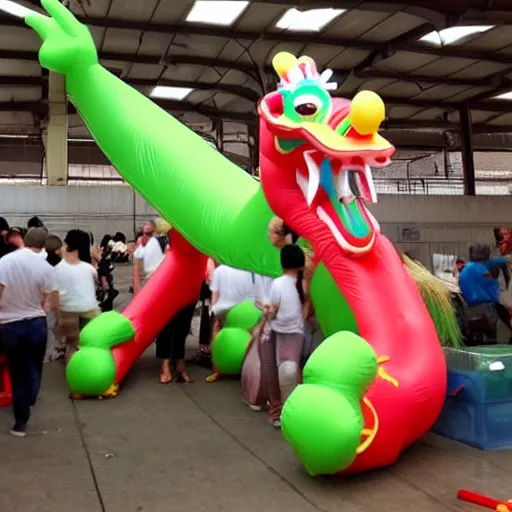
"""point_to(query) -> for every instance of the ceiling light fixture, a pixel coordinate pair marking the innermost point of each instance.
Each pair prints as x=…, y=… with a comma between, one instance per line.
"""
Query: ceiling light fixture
x=312, y=20
x=15, y=9
x=504, y=96
x=454, y=34
x=214, y=12
x=170, y=93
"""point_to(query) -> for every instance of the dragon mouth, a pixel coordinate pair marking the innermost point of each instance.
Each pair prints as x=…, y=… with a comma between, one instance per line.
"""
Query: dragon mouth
x=337, y=191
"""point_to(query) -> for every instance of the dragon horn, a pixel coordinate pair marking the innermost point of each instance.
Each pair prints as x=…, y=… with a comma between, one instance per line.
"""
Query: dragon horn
x=283, y=63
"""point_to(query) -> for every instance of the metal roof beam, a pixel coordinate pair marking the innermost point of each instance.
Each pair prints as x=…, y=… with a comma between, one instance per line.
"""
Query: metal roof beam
x=488, y=81
x=248, y=69
x=250, y=117
x=281, y=36
x=251, y=95
x=243, y=92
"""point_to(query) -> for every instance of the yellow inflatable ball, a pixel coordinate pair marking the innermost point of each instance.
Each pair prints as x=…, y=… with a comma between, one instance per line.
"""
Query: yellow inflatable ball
x=367, y=112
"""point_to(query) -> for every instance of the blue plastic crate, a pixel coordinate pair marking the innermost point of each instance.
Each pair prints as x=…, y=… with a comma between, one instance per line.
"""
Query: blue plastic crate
x=478, y=409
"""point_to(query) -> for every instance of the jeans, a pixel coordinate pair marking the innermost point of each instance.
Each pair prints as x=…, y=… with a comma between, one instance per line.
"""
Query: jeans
x=24, y=344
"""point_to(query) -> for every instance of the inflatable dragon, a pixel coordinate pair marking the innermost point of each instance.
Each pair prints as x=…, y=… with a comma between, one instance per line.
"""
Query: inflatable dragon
x=378, y=381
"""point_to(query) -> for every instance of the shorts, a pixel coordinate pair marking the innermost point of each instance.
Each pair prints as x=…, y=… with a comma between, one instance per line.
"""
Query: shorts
x=70, y=324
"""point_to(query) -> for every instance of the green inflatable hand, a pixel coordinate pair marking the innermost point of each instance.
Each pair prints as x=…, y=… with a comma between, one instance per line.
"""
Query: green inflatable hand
x=67, y=44
x=326, y=407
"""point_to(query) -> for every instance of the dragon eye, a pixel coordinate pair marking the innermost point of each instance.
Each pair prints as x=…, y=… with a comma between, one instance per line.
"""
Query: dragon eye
x=306, y=109
x=307, y=105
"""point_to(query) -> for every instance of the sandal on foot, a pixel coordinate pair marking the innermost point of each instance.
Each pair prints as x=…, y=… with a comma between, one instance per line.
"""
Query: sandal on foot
x=165, y=375
x=182, y=373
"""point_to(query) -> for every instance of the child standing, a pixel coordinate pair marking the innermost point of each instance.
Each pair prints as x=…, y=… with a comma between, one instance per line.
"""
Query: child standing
x=76, y=282
x=54, y=349
x=282, y=347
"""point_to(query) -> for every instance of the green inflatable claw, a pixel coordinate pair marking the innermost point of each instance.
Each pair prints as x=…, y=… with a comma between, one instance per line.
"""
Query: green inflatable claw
x=107, y=331
x=229, y=349
x=326, y=408
x=91, y=371
x=244, y=315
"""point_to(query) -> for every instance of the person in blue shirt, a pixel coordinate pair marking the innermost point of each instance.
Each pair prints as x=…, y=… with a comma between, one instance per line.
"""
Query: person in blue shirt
x=478, y=282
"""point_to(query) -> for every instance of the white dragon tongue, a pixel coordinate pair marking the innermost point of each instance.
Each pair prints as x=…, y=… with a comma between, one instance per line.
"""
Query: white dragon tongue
x=314, y=176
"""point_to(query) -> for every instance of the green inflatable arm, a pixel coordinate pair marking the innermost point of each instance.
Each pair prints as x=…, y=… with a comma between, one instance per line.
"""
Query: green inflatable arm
x=208, y=199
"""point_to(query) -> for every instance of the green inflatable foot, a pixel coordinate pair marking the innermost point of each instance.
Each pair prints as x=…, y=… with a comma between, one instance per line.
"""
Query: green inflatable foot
x=91, y=371
x=322, y=419
x=230, y=345
x=106, y=331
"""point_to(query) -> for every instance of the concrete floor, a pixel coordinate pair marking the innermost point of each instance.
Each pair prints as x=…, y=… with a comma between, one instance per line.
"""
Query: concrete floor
x=197, y=447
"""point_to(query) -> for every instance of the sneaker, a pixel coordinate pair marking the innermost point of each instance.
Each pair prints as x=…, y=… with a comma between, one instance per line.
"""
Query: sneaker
x=56, y=355
x=276, y=424
x=255, y=408
x=19, y=430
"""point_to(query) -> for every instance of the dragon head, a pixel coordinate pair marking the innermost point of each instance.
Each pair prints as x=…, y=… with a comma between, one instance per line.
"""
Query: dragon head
x=316, y=154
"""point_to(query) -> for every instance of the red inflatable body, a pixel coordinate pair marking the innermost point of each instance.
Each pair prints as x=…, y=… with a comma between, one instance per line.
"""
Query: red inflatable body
x=316, y=176
x=5, y=383
x=173, y=286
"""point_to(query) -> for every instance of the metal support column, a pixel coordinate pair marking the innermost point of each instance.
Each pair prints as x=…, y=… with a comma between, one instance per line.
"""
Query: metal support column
x=468, y=161
x=219, y=135
x=56, y=140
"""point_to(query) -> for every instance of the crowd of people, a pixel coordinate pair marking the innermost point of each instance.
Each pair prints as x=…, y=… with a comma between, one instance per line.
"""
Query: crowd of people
x=49, y=289
x=283, y=301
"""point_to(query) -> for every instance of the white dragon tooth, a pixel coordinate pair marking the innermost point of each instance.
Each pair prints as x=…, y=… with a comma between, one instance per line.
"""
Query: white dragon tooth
x=343, y=185
x=369, y=181
x=302, y=182
x=314, y=177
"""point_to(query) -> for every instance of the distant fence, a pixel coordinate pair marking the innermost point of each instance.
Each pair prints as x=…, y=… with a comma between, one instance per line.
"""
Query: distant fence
x=441, y=187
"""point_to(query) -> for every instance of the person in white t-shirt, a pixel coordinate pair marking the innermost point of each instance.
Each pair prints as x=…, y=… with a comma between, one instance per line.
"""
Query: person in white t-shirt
x=27, y=291
x=229, y=287
x=149, y=252
x=282, y=353
x=76, y=282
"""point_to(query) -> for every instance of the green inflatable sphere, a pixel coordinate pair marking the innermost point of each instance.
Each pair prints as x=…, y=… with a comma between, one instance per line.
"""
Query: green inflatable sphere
x=228, y=350
x=323, y=428
x=91, y=371
x=244, y=315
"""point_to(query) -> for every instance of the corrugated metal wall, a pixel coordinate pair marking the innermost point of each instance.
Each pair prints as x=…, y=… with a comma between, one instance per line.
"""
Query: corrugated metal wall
x=424, y=225
x=100, y=209
x=421, y=225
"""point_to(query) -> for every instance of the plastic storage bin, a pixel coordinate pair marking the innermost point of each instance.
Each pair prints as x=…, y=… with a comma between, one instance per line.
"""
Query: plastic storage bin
x=478, y=408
